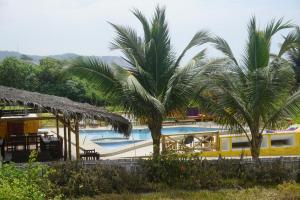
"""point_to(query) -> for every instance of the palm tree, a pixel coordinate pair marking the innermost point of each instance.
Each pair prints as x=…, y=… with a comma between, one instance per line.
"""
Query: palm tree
x=255, y=93
x=291, y=47
x=153, y=85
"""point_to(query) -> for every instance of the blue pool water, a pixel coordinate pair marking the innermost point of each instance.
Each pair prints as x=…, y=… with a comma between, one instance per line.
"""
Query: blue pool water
x=110, y=139
x=140, y=134
x=115, y=145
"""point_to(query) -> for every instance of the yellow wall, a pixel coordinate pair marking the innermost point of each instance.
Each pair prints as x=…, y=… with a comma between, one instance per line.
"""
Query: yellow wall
x=268, y=151
x=3, y=129
x=30, y=126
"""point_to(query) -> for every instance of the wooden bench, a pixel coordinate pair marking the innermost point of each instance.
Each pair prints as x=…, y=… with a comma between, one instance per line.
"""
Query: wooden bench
x=90, y=155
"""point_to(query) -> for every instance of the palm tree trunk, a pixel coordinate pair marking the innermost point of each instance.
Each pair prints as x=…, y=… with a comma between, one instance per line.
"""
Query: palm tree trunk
x=155, y=129
x=256, y=144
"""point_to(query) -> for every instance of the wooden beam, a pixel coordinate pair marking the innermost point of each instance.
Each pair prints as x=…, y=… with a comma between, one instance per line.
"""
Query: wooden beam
x=64, y=122
x=57, y=126
x=65, y=143
x=77, y=140
x=163, y=143
x=14, y=112
x=25, y=118
x=69, y=140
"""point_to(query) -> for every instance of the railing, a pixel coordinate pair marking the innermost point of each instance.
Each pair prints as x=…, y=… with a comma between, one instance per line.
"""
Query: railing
x=191, y=142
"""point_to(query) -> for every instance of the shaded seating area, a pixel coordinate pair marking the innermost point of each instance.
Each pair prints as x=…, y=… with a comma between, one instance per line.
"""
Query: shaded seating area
x=20, y=114
x=18, y=148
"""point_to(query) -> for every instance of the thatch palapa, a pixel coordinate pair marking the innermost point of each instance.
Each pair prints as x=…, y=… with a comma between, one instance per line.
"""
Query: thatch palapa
x=64, y=107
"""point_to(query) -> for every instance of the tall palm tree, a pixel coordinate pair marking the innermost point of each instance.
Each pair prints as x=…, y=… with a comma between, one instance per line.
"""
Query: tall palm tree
x=255, y=93
x=153, y=85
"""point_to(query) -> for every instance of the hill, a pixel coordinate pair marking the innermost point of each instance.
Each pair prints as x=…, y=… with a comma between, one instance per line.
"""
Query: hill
x=62, y=57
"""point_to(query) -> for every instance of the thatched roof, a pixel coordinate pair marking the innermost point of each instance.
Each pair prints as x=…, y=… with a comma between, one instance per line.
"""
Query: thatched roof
x=62, y=106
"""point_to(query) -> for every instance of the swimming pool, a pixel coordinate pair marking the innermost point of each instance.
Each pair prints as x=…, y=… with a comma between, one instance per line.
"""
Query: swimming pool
x=140, y=134
x=116, y=144
x=110, y=139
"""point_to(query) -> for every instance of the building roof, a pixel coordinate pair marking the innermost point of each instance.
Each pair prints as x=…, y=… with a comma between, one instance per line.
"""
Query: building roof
x=63, y=107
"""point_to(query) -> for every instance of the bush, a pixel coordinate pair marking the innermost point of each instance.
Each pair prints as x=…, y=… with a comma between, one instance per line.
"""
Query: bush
x=195, y=173
x=268, y=174
x=182, y=172
x=25, y=182
x=74, y=179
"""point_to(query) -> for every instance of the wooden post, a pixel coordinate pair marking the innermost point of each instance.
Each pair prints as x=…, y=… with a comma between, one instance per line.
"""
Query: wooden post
x=69, y=140
x=77, y=140
x=163, y=141
x=57, y=126
x=65, y=142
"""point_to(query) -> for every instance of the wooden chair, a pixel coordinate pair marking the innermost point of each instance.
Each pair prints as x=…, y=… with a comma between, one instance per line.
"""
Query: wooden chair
x=90, y=154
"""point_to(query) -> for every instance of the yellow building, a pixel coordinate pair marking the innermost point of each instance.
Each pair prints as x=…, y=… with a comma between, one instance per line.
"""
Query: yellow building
x=278, y=143
x=215, y=144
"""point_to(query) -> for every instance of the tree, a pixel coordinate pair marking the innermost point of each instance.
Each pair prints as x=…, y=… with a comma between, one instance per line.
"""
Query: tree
x=17, y=73
x=153, y=86
x=256, y=93
x=291, y=47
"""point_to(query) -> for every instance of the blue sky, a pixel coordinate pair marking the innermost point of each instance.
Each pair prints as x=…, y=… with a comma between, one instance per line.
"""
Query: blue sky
x=45, y=27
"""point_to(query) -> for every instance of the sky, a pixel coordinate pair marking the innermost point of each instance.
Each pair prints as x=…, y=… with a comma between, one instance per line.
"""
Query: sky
x=48, y=27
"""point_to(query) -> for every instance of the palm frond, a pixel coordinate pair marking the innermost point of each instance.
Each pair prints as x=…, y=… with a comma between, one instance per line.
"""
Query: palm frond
x=199, y=38
x=289, y=42
x=274, y=26
x=223, y=46
x=147, y=32
x=257, y=49
x=129, y=42
x=99, y=74
x=182, y=87
x=289, y=108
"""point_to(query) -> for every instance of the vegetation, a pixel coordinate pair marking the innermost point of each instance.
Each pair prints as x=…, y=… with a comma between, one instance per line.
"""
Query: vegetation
x=73, y=179
x=255, y=93
x=153, y=86
x=47, y=77
x=158, y=178
x=27, y=182
x=285, y=191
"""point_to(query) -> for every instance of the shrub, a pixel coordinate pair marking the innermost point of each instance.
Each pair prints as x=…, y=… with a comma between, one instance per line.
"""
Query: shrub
x=267, y=174
x=74, y=179
x=25, y=182
x=182, y=172
x=195, y=173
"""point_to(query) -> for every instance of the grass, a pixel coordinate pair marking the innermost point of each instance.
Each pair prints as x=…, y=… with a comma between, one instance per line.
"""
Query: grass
x=286, y=191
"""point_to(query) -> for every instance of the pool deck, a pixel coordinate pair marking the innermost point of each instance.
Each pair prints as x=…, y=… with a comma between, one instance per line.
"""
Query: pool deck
x=138, y=149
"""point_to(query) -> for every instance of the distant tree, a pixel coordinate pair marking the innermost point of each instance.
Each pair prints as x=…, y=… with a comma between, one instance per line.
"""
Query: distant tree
x=54, y=80
x=17, y=73
x=48, y=77
x=26, y=58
